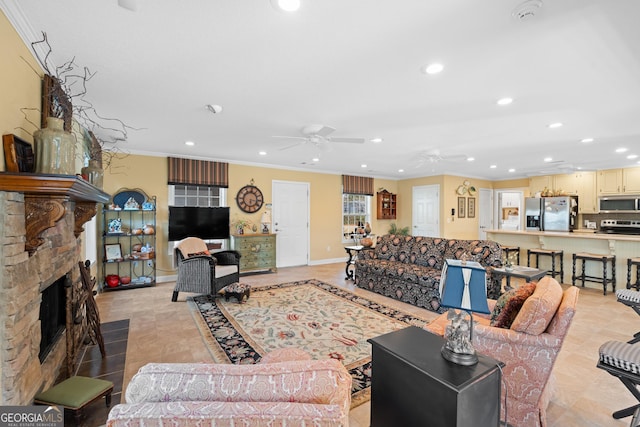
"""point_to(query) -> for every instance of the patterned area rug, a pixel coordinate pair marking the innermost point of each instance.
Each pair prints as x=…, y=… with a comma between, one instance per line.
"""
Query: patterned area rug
x=325, y=321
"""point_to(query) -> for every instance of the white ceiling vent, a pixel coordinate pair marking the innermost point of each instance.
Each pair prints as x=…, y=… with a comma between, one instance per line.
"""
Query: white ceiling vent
x=527, y=10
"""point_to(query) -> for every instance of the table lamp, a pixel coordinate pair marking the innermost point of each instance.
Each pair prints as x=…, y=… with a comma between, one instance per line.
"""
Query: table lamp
x=266, y=221
x=463, y=286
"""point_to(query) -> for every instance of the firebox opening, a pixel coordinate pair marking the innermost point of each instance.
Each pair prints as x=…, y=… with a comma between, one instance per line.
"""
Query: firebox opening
x=52, y=315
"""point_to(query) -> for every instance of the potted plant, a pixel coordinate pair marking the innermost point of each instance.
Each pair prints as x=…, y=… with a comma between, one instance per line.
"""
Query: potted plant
x=240, y=224
x=394, y=229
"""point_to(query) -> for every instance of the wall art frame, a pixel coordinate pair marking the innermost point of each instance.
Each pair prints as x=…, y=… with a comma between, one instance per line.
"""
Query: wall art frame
x=462, y=205
x=471, y=207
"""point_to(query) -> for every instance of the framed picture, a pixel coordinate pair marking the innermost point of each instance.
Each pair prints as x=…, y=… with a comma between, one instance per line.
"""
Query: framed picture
x=462, y=204
x=471, y=207
x=18, y=154
x=112, y=252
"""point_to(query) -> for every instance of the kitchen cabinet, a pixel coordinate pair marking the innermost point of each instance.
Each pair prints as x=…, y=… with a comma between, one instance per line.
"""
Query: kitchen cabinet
x=539, y=183
x=258, y=251
x=631, y=180
x=581, y=184
x=386, y=205
x=609, y=181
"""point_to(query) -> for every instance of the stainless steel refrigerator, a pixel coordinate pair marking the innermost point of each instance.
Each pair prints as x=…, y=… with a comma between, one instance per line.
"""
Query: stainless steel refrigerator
x=551, y=213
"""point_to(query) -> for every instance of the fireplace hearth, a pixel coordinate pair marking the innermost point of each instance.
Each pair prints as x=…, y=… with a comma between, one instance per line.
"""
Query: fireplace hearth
x=42, y=304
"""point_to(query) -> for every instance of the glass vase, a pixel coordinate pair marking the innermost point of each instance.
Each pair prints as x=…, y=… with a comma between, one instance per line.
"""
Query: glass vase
x=94, y=173
x=55, y=149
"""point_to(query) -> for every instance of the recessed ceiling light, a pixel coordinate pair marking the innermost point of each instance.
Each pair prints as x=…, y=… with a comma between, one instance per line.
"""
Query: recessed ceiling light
x=632, y=156
x=262, y=153
x=470, y=159
x=400, y=170
x=548, y=159
x=434, y=68
x=363, y=166
x=190, y=143
x=586, y=140
x=286, y=5
x=621, y=150
x=493, y=166
x=555, y=125
x=512, y=170
x=376, y=140
x=504, y=101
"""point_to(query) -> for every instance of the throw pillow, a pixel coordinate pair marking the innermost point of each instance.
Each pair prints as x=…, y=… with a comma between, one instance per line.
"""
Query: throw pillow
x=538, y=310
x=509, y=304
x=198, y=254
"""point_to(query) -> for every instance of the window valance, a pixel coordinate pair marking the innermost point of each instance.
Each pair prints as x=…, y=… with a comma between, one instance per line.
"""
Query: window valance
x=198, y=172
x=357, y=185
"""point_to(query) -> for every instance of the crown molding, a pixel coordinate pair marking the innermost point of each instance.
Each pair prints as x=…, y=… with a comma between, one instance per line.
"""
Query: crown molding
x=17, y=18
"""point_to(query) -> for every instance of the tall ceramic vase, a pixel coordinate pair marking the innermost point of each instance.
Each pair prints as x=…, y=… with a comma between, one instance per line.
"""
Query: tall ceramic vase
x=93, y=173
x=55, y=149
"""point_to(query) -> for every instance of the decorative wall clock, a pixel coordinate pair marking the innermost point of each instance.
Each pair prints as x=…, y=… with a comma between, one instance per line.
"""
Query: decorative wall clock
x=249, y=198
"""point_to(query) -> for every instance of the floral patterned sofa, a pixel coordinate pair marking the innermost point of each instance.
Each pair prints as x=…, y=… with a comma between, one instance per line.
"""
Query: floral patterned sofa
x=408, y=268
x=292, y=393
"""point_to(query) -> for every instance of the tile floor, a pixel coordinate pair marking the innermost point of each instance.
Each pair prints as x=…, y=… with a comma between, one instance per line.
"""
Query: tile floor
x=162, y=331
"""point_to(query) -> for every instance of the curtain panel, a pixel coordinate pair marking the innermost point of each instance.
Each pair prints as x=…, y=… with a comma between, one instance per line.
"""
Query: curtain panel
x=198, y=172
x=357, y=185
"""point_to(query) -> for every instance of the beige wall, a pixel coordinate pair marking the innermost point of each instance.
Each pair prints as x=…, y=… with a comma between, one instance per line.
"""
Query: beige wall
x=19, y=85
x=450, y=227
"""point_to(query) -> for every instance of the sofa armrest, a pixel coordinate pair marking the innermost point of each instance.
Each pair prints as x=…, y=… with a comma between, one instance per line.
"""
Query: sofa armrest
x=307, y=381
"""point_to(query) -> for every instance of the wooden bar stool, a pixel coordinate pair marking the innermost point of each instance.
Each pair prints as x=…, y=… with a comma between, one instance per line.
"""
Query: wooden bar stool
x=551, y=253
x=507, y=250
x=604, y=259
x=630, y=263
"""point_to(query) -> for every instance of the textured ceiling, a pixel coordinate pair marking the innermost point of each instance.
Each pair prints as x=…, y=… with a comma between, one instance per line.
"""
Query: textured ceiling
x=356, y=66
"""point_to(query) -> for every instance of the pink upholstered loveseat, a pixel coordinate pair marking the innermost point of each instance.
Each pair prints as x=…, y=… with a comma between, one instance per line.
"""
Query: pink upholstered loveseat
x=528, y=349
x=298, y=392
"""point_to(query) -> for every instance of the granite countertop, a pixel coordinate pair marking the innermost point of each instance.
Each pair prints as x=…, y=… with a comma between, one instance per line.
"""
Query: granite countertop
x=579, y=234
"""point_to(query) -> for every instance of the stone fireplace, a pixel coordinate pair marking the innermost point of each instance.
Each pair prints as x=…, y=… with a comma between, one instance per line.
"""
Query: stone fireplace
x=41, y=218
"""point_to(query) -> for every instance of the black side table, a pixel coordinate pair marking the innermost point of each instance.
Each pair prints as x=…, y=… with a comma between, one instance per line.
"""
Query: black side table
x=413, y=385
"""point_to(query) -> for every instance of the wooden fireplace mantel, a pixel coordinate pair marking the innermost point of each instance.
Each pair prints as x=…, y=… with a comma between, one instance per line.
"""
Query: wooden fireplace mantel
x=44, y=197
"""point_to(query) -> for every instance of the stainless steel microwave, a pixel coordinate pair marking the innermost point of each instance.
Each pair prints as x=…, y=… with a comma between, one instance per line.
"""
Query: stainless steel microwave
x=620, y=204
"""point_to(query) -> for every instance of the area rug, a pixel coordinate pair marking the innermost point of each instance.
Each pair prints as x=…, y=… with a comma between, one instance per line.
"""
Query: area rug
x=325, y=321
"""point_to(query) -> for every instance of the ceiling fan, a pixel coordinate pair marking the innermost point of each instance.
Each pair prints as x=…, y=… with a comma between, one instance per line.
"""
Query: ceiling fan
x=318, y=135
x=435, y=156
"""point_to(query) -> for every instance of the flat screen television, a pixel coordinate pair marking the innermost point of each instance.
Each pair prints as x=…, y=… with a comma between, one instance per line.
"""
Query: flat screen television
x=205, y=223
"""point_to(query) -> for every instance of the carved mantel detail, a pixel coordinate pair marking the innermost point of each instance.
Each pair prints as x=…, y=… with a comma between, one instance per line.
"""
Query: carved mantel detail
x=40, y=213
x=83, y=212
x=44, y=197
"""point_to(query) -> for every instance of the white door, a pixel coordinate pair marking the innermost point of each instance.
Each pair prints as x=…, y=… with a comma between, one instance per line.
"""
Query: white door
x=426, y=211
x=485, y=212
x=291, y=222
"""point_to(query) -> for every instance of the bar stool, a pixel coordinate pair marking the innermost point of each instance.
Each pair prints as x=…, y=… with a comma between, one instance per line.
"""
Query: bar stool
x=630, y=263
x=604, y=259
x=507, y=250
x=553, y=254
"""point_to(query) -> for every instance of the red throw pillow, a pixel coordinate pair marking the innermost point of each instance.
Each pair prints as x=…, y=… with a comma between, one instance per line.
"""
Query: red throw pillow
x=509, y=304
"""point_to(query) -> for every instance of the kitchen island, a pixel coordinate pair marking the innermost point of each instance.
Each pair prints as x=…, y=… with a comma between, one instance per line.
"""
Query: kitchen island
x=621, y=245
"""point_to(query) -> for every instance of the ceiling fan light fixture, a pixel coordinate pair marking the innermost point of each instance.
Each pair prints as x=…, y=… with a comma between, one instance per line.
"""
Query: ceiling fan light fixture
x=621, y=150
x=286, y=5
x=586, y=140
x=262, y=153
x=504, y=101
x=548, y=159
x=189, y=143
x=376, y=140
x=471, y=159
x=493, y=166
x=555, y=125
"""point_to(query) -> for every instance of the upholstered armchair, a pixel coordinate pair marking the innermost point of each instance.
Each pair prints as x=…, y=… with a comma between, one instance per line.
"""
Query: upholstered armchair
x=202, y=272
x=528, y=348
